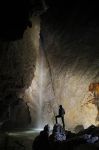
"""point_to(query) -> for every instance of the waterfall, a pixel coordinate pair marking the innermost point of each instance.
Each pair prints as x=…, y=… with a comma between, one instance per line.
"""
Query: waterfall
x=41, y=94
x=41, y=81
x=46, y=92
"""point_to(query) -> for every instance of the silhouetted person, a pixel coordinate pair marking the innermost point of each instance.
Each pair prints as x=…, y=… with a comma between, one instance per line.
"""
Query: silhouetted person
x=61, y=115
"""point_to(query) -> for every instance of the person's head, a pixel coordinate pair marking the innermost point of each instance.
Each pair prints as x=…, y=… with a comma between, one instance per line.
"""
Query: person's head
x=60, y=106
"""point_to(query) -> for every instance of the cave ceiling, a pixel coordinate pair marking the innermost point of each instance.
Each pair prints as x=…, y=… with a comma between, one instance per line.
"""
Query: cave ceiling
x=15, y=15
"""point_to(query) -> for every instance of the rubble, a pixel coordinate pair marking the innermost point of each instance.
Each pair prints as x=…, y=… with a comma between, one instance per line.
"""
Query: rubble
x=62, y=139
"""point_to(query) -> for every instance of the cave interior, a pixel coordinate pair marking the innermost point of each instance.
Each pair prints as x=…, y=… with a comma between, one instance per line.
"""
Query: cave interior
x=49, y=56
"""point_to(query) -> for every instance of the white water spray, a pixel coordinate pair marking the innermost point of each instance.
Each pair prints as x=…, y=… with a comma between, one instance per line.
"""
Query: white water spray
x=41, y=84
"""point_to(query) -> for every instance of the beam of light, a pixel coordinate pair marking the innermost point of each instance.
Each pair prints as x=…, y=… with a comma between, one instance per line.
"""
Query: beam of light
x=28, y=132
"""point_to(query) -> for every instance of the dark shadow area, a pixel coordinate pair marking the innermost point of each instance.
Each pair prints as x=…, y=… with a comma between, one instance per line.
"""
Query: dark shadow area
x=15, y=15
x=62, y=139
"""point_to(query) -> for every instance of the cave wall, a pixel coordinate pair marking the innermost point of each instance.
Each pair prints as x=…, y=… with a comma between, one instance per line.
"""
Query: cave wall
x=72, y=50
x=54, y=63
x=70, y=47
x=17, y=65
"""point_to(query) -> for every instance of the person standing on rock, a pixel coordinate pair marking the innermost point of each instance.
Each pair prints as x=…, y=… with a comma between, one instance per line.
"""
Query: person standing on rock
x=61, y=115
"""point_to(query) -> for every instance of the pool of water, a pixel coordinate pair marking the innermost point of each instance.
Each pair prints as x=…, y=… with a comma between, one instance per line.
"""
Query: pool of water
x=28, y=133
x=18, y=139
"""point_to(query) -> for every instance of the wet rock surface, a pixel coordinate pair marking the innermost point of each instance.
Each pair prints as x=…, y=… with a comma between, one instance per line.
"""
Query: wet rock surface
x=60, y=139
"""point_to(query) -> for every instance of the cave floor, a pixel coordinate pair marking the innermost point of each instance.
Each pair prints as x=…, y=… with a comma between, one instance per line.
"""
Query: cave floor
x=23, y=140
x=18, y=140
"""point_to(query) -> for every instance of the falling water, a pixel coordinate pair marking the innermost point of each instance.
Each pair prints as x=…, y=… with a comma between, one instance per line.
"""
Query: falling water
x=41, y=80
x=40, y=95
x=46, y=92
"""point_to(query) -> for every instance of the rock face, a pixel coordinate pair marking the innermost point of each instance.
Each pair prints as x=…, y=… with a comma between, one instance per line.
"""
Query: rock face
x=58, y=134
x=69, y=62
x=61, y=139
x=16, y=116
x=17, y=65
